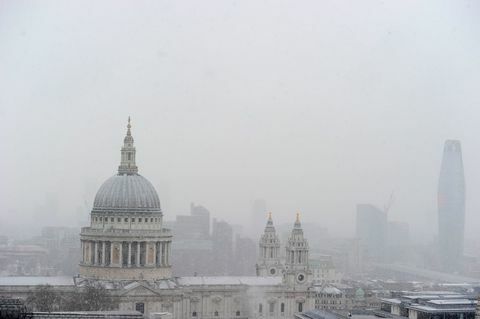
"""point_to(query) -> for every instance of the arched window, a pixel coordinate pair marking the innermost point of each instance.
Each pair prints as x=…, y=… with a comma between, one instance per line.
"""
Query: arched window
x=194, y=314
x=216, y=314
x=237, y=313
x=260, y=308
x=300, y=306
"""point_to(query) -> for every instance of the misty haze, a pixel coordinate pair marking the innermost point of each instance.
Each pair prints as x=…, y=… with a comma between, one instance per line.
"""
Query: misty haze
x=239, y=159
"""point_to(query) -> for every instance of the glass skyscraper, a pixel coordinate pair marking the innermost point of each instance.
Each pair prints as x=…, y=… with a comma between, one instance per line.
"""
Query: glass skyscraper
x=451, y=207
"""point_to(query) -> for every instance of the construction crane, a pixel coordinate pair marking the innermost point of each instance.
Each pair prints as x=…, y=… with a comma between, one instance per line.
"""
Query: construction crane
x=389, y=203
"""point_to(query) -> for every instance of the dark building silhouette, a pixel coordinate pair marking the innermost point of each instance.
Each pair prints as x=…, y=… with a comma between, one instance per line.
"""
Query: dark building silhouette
x=372, y=231
x=451, y=207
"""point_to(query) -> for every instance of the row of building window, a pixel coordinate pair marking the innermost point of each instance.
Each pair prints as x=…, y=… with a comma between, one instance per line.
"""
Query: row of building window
x=215, y=314
x=126, y=219
x=328, y=295
x=326, y=302
x=282, y=307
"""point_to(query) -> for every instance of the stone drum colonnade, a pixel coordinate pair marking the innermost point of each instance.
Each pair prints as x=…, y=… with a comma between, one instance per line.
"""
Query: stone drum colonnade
x=137, y=253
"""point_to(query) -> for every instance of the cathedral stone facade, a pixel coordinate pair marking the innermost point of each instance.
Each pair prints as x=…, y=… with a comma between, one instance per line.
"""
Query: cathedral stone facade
x=127, y=249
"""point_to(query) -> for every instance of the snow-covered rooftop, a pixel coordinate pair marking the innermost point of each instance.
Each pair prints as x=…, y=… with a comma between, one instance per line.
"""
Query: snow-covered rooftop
x=229, y=280
x=36, y=280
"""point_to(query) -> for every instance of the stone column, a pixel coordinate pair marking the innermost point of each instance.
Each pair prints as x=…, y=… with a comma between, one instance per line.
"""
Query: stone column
x=83, y=251
x=95, y=255
x=162, y=248
x=111, y=253
x=129, y=254
x=120, y=255
x=154, y=258
x=168, y=254
x=138, y=254
x=103, y=253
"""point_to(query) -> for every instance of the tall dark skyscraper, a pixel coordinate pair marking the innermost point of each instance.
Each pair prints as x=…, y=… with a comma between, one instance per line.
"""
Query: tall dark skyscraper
x=372, y=231
x=451, y=207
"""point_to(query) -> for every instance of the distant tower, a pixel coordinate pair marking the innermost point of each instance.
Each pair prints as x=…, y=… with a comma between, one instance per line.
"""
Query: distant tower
x=297, y=270
x=371, y=230
x=451, y=207
x=269, y=261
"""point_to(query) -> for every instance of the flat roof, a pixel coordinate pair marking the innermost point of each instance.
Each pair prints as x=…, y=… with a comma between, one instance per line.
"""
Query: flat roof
x=424, y=308
x=229, y=280
x=453, y=302
x=36, y=280
x=394, y=301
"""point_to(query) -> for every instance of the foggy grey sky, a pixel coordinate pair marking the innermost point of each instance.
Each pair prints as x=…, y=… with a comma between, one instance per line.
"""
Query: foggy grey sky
x=312, y=105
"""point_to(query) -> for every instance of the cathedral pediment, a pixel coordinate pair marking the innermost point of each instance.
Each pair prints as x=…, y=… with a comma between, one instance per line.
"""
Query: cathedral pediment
x=140, y=290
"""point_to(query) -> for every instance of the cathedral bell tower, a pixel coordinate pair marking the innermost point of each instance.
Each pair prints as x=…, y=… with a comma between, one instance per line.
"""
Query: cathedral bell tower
x=269, y=262
x=297, y=270
x=127, y=162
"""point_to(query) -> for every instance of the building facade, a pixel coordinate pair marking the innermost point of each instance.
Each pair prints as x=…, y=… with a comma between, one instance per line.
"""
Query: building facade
x=451, y=207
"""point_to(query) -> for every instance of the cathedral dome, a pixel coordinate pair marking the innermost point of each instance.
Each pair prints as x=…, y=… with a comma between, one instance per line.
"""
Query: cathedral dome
x=127, y=193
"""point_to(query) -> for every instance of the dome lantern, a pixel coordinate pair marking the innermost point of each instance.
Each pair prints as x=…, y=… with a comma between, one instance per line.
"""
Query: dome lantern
x=127, y=162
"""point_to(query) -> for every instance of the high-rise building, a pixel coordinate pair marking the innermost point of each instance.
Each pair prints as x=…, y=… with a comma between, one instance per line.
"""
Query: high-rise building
x=372, y=231
x=451, y=207
x=222, y=242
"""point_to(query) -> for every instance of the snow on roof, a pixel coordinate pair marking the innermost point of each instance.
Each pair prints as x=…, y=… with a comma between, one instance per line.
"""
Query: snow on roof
x=391, y=300
x=229, y=280
x=36, y=280
x=328, y=290
x=437, y=310
x=452, y=302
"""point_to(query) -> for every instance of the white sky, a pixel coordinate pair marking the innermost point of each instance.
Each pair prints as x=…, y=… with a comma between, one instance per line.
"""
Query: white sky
x=312, y=105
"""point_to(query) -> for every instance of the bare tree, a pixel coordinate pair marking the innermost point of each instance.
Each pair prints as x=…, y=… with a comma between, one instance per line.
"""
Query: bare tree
x=92, y=297
x=44, y=298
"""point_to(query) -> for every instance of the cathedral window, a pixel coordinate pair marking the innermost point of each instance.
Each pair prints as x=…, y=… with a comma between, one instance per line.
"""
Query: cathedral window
x=140, y=307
